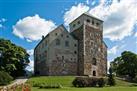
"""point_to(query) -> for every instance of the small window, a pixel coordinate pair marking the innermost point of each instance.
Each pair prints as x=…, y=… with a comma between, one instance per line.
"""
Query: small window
x=88, y=20
x=97, y=24
x=45, y=53
x=94, y=61
x=74, y=25
x=56, y=34
x=75, y=52
x=61, y=35
x=92, y=22
x=57, y=42
x=62, y=57
x=75, y=45
x=78, y=22
x=94, y=73
x=67, y=36
x=67, y=43
x=71, y=58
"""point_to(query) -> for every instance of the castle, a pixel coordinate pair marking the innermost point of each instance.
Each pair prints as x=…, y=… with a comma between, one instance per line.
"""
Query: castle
x=81, y=51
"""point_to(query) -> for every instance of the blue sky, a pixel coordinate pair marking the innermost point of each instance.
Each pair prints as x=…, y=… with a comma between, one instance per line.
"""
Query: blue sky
x=25, y=21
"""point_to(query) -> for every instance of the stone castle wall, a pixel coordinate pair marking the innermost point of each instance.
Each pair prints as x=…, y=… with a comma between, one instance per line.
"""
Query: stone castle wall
x=93, y=42
x=78, y=34
x=86, y=55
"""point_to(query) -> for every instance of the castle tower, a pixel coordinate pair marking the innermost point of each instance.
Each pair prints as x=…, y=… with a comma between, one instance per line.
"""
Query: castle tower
x=92, y=51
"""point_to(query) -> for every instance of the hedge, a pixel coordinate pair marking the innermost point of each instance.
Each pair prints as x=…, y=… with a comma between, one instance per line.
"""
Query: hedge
x=88, y=82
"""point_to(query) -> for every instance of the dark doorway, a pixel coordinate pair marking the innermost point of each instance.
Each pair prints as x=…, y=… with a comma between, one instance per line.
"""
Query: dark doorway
x=94, y=73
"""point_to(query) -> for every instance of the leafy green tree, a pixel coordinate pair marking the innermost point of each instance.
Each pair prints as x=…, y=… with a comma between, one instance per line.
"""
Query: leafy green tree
x=13, y=58
x=111, y=80
x=125, y=65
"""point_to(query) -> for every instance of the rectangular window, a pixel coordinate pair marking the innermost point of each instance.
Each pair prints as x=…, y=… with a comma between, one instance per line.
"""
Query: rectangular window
x=74, y=25
x=67, y=43
x=57, y=42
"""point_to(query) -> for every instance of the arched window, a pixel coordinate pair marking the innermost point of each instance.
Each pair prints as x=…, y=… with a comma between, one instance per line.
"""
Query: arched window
x=57, y=42
x=94, y=61
x=94, y=73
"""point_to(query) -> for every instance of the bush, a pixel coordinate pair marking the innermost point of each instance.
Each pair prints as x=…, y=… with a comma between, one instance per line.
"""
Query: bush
x=111, y=80
x=135, y=79
x=93, y=82
x=101, y=82
x=88, y=82
x=5, y=78
x=47, y=86
x=79, y=82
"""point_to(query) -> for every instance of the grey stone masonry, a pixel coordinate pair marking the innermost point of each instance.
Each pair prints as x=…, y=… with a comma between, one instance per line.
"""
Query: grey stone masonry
x=81, y=51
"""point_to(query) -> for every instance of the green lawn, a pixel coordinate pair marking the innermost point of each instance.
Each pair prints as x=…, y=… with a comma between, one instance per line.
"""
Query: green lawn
x=89, y=89
x=66, y=82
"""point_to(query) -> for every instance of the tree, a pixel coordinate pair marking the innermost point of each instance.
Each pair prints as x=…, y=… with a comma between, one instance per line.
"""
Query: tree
x=13, y=58
x=125, y=65
x=111, y=80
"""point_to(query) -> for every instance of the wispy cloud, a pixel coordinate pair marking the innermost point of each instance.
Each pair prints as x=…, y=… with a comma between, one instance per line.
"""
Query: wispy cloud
x=113, y=50
x=136, y=34
x=2, y=20
x=30, y=52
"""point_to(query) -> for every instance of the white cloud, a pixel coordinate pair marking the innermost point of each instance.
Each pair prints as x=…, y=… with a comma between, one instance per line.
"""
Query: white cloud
x=108, y=65
x=30, y=66
x=113, y=50
x=119, y=18
x=32, y=28
x=74, y=12
x=30, y=52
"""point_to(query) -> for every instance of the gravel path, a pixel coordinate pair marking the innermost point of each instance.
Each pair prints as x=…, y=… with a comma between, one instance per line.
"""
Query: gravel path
x=18, y=81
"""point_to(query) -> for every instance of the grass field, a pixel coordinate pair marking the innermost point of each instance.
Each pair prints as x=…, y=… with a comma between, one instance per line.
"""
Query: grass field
x=89, y=89
x=66, y=82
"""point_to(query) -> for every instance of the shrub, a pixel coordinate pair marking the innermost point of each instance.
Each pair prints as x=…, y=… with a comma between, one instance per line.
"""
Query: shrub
x=111, y=80
x=88, y=82
x=5, y=78
x=101, y=82
x=47, y=86
x=135, y=79
x=92, y=82
x=79, y=82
